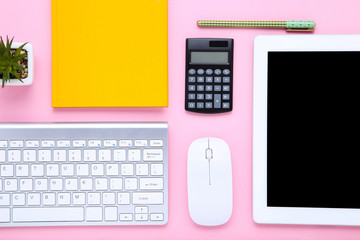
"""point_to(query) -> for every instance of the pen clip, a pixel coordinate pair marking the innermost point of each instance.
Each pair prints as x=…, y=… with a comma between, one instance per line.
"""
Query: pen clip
x=299, y=29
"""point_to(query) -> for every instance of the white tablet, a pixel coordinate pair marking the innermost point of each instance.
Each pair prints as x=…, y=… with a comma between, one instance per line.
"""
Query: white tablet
x=306, y=129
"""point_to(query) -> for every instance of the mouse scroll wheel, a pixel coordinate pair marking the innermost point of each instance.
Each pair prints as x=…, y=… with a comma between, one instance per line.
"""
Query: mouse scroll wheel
x=208, y=153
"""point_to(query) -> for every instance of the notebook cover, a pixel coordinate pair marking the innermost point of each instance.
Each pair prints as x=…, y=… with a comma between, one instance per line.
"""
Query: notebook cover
x=109, y=53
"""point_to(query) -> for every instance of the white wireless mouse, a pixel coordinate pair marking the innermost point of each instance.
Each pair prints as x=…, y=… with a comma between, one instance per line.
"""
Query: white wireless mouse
x=209, y=181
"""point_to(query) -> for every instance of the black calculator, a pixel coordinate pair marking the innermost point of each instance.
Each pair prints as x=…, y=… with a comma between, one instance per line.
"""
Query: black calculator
x=209, y=75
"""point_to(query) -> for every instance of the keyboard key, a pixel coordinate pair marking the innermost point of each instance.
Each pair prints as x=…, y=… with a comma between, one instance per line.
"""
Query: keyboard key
x=151, y=184
x=149, y=198
x=209, y=79
x=126, y=217
x=94, y=143
x=58, y=214
x=119, y=155
x=67, y=169
x=90, y=155
x=52, y=170
x=110, y=143
x=74, y=155
x=134, y=155
x=200, y=71
x=14, y=155
x=17, y=144
x=217, y=80
x=141, y=210
x=32, y=144
x=59, y=155
x=37, y=170
x=156, y=217
x=10, y=185
x=44, y=155
x=125, y=143
x=63, y=198
x=4, y=199
x=142, y=169
x=97, y=169
x=78, y=198
x=191, y=79
x=131, y=184
x=82, y=169
x=2, y=156
x=200, y=79
x=82, y=143
x=105, y=155
x=156, y=143
x=157, y=169
x=3, y=144
x=112, y=169
x=200, y=105
x=153, y=155
x=123, y=198
x=108, y=198
x=127, y=169
x=115, y=183
x=111, y=213
x=191, y=105
x=48, y=143
x=93, y=198
x=48, y=199
x=63, y=143
x=71, y=184
x=141, y=143
x=141, y=217
x=18, y=199
x=4, y=215
x=41, y=184
x=101, y=184
x=6, y=170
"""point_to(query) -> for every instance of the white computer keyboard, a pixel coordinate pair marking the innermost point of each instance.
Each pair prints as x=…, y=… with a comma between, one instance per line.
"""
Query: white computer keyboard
x=83, y=174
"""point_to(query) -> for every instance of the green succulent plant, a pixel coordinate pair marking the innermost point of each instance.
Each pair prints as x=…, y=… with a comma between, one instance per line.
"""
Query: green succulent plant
x=9, y=61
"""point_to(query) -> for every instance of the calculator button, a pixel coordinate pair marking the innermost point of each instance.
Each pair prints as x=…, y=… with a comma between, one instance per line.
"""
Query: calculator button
x=208, y=105
x=209, y=79
x=192, y=71
x=208, y=96
x=200, y=71
x=217, y=79
x=209, y=88
x=226, y=88
x=226, y=79
x=200, y=88
x=200, y=96
x=191, y=79
x=226, y=105
x=191, y=105
x=200, y=105
x=217, y=72
x=226, y=97
x=226, y=72
x=217, y=88
x=209, y=71
x=200, y=79
x=217, y=100
x=191, y=87
x=191, y=96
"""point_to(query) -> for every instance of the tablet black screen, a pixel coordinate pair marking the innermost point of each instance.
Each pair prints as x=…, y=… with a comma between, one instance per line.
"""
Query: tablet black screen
x=313, y=129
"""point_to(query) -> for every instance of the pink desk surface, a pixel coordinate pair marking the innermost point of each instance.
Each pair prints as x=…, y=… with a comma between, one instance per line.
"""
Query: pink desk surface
x=33, y=104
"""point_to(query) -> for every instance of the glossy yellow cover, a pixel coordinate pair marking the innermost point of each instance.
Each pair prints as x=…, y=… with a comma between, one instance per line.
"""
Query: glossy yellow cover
x=109, y=53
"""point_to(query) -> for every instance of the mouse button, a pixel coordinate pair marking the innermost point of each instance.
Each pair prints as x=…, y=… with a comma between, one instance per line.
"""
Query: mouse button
x=208, y=153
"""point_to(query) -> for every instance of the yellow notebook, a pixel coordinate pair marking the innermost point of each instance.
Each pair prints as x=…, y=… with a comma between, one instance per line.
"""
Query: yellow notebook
x=109, y=53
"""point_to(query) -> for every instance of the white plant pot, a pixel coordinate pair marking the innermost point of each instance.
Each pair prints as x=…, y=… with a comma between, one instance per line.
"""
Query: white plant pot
x=29, y=79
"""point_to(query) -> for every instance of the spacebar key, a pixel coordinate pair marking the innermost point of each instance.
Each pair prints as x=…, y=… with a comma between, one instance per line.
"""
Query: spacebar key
x=60, y=214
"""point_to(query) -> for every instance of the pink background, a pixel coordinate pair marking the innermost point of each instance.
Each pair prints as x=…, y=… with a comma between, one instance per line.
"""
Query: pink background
x=33, y=104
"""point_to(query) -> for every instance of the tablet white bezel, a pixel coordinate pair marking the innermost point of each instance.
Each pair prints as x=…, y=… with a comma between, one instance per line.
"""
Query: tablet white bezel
x=289, y=215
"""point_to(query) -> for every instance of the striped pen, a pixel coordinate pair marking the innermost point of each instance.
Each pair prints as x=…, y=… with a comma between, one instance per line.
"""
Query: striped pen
x=288, y=25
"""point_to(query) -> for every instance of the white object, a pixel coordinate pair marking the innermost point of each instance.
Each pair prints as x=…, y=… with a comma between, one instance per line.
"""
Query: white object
x=29, y=79
x=87, y=182
x=289, y=215
x=209, y=182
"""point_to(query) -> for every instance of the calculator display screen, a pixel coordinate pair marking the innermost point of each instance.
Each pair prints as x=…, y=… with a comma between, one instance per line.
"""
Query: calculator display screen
x=209, y=58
